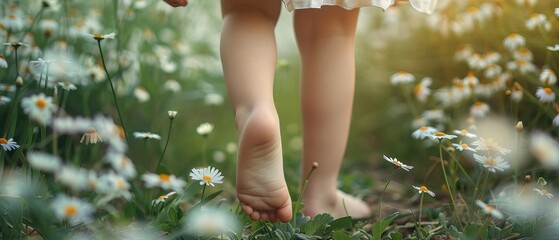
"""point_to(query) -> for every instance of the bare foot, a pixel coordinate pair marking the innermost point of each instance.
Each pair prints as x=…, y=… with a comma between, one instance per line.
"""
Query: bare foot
x=338, y=205
x=261, y=187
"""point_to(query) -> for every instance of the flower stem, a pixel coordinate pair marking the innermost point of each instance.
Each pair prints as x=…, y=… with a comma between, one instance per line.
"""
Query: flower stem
x=299, y=199
x=166, y=144
x=382, y=193
x=203, y=191
x=449, y=187
x=420, y=207
x=112, y=88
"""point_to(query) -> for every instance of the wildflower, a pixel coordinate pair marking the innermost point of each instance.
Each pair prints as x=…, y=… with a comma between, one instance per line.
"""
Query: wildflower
x=538, y=20
x=91, y=136
x=441, y=135
x=113, y=184
x=557, y=12
x=172, y=85
x=72, y=177
x=219, y=156
x=72, y=209
x=471, y=80
x=514, y=41
x=553, y=48
x=4, y=100
x=464, y=53
x=205, y=129
x=522, y=66
x=162, y=198
x=141, y=94
x=517, y=93
x=422, y=90
x=165, y=181
x=556, y=120
x=44, y=161
x=8, y=145
x=489, y=145
x=543, y=192
x=147, y=135
x=523, y=54
x=208, y=176
x=121, y=164
x=3, y=62
x=479, y=109
x=489, y=209
x=423, y=132
x=424, y=189
x=492, y=164
x=476, y=61
x=14, y=21
x=492, y=71
x=213, y=99
x=463, y=147
x=492, y=57
x=465, y=133
x=397, y=164
x=67, y=85
x=100, y=37
x=548, y=77
x=545, y=149
x=401, y=78
x=172, y=114
x=545, y=94
x=39, y=108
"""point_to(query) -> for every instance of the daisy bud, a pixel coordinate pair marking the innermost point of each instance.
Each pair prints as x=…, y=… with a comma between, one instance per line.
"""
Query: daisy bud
x=314, y=165
x=19, y=81
x=172, y=114
x=519, y=126
x=527, y=178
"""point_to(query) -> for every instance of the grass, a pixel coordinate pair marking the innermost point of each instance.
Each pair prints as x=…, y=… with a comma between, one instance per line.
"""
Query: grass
x=57, y=184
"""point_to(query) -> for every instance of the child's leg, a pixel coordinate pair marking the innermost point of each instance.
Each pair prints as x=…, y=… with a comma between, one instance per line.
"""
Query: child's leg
x=326, y=42
x=248, y=53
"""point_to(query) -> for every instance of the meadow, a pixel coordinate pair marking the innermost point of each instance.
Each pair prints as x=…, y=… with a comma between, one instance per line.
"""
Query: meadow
x=115, y=123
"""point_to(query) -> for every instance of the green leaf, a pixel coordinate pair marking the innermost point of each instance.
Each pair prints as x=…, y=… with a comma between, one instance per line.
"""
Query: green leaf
x=317, y=224
x=442, y=220
x=380, y=226
x=340, y=235
x=340, y=223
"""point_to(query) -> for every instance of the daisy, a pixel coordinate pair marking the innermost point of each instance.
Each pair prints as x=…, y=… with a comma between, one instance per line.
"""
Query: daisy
x=172, y=85
x=548, y=77
x=213, y=99
x=401, y=78
x=465, y=133
x=517, y=93
x=141, y=94
x=545, y=149
x=422, y=90
x=72, y=209
x=172, y=114
x=44, y=161
x=553, y=48
x=545, y=94
x=423, y=132
x=208, y=176
x=121, y=164
x=476, y=61
x=205, y=129
x=523, y=54
x=424, y=189
x=556, y=120
x=557, y=12
x=463, y=53
x=522, y=66
x=39, y=107
x=9, y=144
x=489, y=209
x=514, y=41
x=491, y=145
x=441, y=135
x=479, y=109
x=492, y=57
x=492, y=71
x=100, y=37
x=397, y=164
x=211, y=221
x=463, y=147
x=8, y=87
x=91, y=136
x=146, y=135
x=73, y=177
x=114, y=185
x=538, y=20
x=470, y=80
x=67, y=85
x=492, y=164
x=162, y=198
x=165, y=181
x=3, y=62
x=543, y=192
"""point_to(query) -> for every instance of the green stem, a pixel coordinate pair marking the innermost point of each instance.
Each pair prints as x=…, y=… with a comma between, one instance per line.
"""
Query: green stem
x=382, y=193
x=112, y=88
x=420, y=208
x=300, y=198
x=449, y=187
x=203, y=191
x=166, y=144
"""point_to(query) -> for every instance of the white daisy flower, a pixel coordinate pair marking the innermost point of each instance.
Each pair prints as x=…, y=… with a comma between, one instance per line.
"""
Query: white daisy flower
x=539, y=21
x=523, y=54
x=72, y=209
x=463, y=53
x=7, y=87
x=162, y=198
x=208, y=222
x=208, y=176
x=172, y=85
x=67, y=85
x=492, y=164
x=164, y=181
x=213, y=99
x=100, y=37
x=114, y=185
x=543, y=192
x=492, y=71
x=463, y=147
x=172, y=114
x=73, y=177
x=545, y=148
x=441, y=135
x=557, y=12
x=39, y=108
x=3, y=62
x=517, y=92
x=548, y=77
x=522, y=66
x=401, y=78
x=545, y=94
x=489, y=209
x=422, y=90
x=470, y=80
x=489, y=144
x=424, y=189
x=556, y=120
x=397, y=164
x=492, y=57
x=477, y=62
x=4, y=100
x=8, y=144
x=91, y=136
x=514, y=41
x=141, y=94
x=553, y=48
x=423, y=132
x=121, y=164
x=205, y=129
x=465, y=133
x=479, y=109
x=44, y=161
x=146, y=135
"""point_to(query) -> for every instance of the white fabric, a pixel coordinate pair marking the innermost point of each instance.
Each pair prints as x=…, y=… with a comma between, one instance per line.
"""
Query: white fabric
x=425, y=6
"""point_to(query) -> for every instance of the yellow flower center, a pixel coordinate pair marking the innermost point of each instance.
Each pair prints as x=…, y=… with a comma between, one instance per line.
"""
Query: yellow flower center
x=478, y=104
x=98, y=36
x=423, y=189
x=164, y=177
x=464, y=131
x=41, y=103
x=207, y=178
x=472, y=9
x=70, y=210
x=161, y=197
x=490, y=162
x=440, y=134
x=464, y=145
x=548, y=90
x=120, y=184
x=417, y=89
x=423, y=128
x=3, y=141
